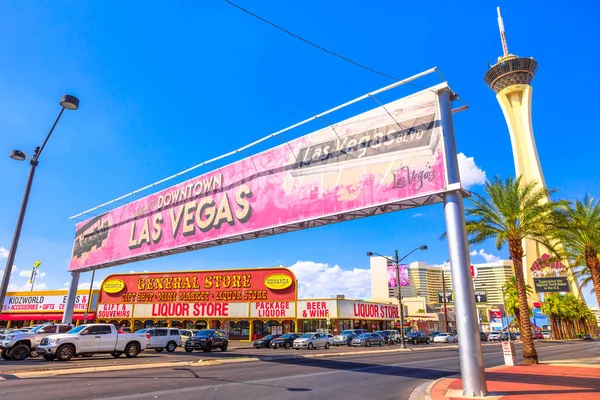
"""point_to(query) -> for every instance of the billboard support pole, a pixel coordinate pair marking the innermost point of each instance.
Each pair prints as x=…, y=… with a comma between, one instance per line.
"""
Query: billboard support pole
x=471, y=358
x=72, y=294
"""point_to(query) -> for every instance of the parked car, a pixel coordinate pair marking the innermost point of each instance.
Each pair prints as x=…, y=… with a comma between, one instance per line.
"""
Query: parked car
x=86, y=340
x=537, y=335
x=368, y=340
x=186, y=334
x=163, y=338
x=20, y=345
x=345, y=338
x=547, y=334
x=444, y=338
x=264, y=342
x=494, y=336
x=482, y=337
x=433, y=335
x=416, y=337
x=513, y=336
x=311, y=341
x=286, y=341
x=587, y=337
x=330, y=339
x=391, y=337
x=206, y=340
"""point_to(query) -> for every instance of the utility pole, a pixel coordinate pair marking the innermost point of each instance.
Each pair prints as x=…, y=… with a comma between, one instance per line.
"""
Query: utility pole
x=445, y=302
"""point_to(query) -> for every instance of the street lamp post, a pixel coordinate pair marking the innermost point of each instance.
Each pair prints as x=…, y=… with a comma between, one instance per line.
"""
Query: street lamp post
x=89, y=300
x=506, y=313
x=445, y=301
x=67, y=102
x=397, y=262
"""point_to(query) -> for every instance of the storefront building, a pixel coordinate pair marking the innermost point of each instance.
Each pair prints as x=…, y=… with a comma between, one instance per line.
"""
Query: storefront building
x=336, y=315
x=242, y=302
x=39, y=307
x=247, y=303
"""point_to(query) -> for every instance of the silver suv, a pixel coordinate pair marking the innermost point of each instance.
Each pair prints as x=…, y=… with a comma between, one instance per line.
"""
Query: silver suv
x=311, y=341
x=345, y=338
x=19, y=346
x=163, y=338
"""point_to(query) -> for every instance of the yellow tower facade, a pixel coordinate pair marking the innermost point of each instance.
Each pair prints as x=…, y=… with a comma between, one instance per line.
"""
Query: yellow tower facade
x=510, y=78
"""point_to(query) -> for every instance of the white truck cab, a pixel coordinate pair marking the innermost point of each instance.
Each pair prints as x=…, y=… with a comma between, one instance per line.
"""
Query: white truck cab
x=87, y=340
x=18, y=346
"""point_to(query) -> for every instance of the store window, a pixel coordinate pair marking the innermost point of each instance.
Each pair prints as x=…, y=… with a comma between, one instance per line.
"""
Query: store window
x=262, y=328
x=201, y=325
x=239, y=329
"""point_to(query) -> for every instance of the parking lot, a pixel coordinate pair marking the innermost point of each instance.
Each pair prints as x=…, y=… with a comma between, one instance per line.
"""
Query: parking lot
x=236, y=350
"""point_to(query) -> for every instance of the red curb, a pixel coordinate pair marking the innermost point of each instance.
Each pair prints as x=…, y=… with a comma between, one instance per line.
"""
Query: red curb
x=533, y=382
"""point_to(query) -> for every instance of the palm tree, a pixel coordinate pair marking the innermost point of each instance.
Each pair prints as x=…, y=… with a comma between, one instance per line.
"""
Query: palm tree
x=509, y=212
x=580, y=234
x=552, y=307
x=511, y=296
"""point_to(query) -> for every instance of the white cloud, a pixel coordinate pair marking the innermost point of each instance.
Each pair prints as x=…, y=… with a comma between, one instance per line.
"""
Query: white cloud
x=86, y=285
x=26, y=273
x=3, y=252
x=27, y=287
x=417, y=215
x=135, y=272
x=470, y=173
x=489, y=258
x=321, y=280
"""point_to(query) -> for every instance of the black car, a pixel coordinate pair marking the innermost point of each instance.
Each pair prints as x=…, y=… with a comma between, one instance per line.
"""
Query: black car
x=587, y=337
x=264, y=342
x=286, y=341
x=206, y=340
x=417, y=337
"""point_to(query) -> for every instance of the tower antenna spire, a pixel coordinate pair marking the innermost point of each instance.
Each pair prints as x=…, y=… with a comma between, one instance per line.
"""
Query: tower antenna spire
x=502, y=33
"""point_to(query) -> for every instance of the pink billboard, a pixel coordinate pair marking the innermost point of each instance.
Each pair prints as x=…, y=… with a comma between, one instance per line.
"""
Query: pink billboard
x=392, y=278
x=381, y=157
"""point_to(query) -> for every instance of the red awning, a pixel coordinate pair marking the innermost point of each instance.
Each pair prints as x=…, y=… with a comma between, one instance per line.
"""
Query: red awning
x=43, y=317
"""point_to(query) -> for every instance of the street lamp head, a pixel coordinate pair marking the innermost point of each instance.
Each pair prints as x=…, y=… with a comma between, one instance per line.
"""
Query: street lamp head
x=69, y=102
x=18, y=155
x=369, y=254
x=423, y=247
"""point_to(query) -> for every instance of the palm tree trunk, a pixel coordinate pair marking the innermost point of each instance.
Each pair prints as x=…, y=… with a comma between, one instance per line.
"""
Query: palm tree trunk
x=593, y=264
x=518, y=319
x=516, y=251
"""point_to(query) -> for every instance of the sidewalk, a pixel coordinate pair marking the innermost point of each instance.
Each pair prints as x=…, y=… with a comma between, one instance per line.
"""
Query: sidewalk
x=533, y=382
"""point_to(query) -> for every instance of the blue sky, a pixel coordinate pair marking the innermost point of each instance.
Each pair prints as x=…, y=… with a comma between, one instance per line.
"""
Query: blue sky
x=170, y=84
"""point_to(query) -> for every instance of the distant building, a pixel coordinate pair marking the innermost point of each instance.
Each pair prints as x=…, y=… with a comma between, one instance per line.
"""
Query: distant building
x=428, y=282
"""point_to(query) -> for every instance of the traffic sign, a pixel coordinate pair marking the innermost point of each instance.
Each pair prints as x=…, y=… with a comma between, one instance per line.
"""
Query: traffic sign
x=480, y=297
x=449, y=298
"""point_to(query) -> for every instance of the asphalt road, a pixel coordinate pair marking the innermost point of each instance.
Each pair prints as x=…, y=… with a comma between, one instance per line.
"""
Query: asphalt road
x=236, y=350
x=360, y=376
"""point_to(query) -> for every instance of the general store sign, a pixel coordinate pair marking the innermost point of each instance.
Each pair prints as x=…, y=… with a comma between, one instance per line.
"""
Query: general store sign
x=191, y=310
x=200, y=287
x=273, y=309
x=362, y=310
x=317, y=309
x=41, y=303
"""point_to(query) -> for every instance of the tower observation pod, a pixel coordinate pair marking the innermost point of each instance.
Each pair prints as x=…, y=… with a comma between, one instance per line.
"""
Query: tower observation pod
x=510, y=78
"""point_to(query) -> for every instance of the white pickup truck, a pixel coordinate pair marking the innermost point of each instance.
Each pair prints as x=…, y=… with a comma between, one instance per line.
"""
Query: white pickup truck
x=17, y=346
x=86, y=340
